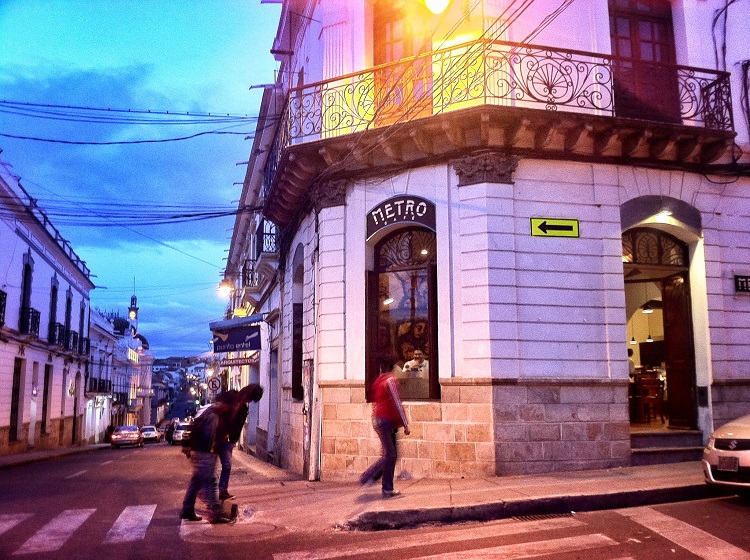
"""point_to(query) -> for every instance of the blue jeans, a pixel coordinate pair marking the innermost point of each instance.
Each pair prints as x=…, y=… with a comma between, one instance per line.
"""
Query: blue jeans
x=225, y=457
x=202, y=482
x=387, y=463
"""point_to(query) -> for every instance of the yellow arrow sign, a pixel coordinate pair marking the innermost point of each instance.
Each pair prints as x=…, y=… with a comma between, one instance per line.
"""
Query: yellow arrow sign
x=554, y=227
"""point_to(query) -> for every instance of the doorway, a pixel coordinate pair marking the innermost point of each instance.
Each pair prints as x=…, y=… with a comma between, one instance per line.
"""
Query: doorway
x=660, y=330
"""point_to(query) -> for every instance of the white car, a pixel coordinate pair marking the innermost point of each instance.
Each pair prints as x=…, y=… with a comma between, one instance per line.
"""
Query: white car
x=150, y=434
x=726, y=457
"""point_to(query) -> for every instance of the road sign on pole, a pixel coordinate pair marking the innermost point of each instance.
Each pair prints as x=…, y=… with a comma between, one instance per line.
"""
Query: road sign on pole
x=214, y=384
x=554, y=227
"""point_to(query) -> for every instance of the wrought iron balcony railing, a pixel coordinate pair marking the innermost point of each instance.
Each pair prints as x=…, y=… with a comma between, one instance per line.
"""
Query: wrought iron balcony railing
x=96, y=385
x=84, y=345
x=266, y=239
x=29, y=323
x=71, y=342
x=499, y=73
x=57, y=334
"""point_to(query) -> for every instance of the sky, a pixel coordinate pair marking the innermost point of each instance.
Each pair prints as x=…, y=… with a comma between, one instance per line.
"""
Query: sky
x=148, y=62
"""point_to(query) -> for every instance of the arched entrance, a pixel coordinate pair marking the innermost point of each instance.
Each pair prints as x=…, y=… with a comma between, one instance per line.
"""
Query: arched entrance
x=660, y=328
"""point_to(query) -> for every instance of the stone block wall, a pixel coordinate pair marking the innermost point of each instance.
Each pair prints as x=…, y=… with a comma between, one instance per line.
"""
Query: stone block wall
x=450, y=438
x=730, y=399
x=550, y=425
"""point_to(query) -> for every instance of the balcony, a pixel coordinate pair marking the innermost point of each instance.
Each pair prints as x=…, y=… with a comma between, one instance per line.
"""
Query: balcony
x=84, y=346
x=29, y=323
x=96, y=386
x=266, y=250
x=57, y=334
x=535, y=101
x=71, y=341
x=3, y=299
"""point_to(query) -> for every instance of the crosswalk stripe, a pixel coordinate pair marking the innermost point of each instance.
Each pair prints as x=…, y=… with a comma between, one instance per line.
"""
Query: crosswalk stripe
x=54, y=534
x=528, y=549
x=683, y=534
x=131, y=525
x=10, y=520
x=454, y=535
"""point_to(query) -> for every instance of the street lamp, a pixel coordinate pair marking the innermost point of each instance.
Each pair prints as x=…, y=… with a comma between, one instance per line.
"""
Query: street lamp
x=437, y=6
x=225, y=288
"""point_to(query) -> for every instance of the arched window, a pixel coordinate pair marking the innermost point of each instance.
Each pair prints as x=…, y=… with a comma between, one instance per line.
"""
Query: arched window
x=402, y=311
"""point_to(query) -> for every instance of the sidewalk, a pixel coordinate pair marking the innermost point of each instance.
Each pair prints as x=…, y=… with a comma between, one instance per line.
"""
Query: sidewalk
x=277, y=498
x=270, y=497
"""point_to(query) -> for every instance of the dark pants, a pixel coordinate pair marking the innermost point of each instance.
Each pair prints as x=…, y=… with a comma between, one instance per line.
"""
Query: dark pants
x=387, y=463
x=225, y=457
x=202, y=482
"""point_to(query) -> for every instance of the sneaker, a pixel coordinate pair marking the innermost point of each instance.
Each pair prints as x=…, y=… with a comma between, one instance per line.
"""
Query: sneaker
x=391, y=493
x=226, y=495
x=190, y=516
x=367, y=483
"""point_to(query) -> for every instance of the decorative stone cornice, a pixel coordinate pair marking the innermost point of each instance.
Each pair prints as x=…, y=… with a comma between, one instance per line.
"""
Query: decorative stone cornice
x=328, y=194
x=487, y=167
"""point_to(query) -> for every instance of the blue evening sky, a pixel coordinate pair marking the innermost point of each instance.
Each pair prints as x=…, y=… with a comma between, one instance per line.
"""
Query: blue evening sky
x=198, y=56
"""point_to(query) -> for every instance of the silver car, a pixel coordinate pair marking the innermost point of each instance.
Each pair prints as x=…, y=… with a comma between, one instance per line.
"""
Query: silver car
x=726, y=457
x=182, y=433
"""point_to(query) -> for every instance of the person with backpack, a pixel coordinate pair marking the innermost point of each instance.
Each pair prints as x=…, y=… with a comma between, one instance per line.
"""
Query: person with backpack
x=205, y=438
x=235, y=421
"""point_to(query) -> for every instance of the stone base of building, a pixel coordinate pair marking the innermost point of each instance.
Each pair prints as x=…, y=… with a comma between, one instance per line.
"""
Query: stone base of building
x=59, y=433
x=730, y=400
x=484, y=427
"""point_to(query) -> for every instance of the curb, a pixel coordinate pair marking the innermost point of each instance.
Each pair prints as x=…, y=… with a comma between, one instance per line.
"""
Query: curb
x=402, y=519
x=21, y=459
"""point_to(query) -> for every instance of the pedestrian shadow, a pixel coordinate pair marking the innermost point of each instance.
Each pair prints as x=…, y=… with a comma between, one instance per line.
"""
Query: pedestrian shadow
x=367, y=498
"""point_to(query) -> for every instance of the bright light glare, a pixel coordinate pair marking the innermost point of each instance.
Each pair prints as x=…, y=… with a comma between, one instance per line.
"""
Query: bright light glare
x=437, y=6
x=225, y=288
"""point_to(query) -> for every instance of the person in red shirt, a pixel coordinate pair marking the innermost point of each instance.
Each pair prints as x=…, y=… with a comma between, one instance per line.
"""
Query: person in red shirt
x=388, y=416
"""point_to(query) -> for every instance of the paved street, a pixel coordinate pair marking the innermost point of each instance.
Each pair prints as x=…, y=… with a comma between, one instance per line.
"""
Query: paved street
x=125, y=504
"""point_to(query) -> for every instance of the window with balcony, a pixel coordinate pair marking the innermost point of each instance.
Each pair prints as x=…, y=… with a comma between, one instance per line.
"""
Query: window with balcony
x=646, y=83
x=402, y=29
x=51, y=328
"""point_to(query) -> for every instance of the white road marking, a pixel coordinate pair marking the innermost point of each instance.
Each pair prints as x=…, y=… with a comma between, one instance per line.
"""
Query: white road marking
x=106, y=463
x=454, y=535
x=10, y=520
x=131, y=525
x=54, y=534
x=79, y=473
x=528, y=549
x=683, y=534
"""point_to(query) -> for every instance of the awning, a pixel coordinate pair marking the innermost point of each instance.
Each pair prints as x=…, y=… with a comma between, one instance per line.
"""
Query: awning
x=235, y=335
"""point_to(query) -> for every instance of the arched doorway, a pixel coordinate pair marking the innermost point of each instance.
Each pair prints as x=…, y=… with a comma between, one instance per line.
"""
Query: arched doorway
x=660, y=329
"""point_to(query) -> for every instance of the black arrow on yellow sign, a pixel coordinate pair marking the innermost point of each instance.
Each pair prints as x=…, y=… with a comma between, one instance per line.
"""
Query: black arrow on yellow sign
x=554, y=227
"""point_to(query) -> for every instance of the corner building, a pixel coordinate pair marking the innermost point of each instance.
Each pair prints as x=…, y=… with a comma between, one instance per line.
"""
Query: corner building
x=520, y=196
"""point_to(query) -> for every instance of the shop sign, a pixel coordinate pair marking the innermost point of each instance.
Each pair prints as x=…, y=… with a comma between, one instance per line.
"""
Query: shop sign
x=238, y=361
x=741, y=283
x=401, y=209
x=237, y=339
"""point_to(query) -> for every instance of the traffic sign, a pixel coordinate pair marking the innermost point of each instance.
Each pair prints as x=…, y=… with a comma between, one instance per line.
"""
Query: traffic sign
x=214, y=384
x=554, y=227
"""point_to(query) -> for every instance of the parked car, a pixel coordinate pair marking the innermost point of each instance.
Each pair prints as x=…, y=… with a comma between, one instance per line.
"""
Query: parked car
x=181, y=433
x=150, y=434
x=127, y=435
x=726, y=457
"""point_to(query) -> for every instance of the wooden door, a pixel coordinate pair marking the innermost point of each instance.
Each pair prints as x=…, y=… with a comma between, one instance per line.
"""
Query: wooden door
x=401, y=32
x=679, y=354
x=645, y=78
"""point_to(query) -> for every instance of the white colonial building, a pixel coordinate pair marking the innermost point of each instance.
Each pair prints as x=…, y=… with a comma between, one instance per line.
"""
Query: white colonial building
x=523, y=191
x=44, y=327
